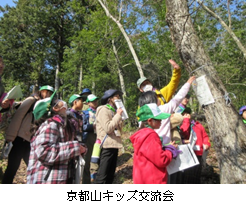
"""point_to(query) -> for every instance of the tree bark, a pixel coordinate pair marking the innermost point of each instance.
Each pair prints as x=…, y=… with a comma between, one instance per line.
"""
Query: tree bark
x=227, y=130
x=120, y=26
x=120, y=71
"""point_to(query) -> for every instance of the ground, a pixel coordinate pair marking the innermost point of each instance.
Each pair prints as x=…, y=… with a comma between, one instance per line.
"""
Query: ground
x=210, y=173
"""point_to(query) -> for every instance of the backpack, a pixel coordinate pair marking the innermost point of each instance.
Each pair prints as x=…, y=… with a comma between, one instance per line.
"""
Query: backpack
x=7, y=117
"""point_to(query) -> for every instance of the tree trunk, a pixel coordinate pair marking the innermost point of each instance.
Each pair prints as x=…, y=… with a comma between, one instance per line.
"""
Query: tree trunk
x=226, y=128
x=80, y=79
x=120, y=26
x=57, y=80
x=120, y=71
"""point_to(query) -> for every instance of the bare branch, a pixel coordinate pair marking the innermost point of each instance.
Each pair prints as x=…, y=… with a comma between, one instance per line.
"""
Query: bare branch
x=229, y=13
x=228, y=29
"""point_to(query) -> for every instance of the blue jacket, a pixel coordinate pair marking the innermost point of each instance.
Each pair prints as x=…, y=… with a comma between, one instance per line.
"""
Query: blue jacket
x=87, y=127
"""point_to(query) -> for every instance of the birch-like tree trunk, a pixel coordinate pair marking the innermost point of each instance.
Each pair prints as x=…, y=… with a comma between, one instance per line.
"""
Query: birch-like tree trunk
x=120, y=26
x=228, y=29
x=80, y=79
x=227, y=130
x=120, y=71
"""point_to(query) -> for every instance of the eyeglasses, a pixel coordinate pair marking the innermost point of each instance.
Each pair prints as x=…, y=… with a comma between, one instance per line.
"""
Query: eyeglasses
x=63, y=106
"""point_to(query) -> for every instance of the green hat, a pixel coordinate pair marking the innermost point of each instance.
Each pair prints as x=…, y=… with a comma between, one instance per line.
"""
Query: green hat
x=76, y=96
x=43, y=107
x=151, y=111
x=186, y=110
x=91, y=98
x=140, y=81
x=47, y=87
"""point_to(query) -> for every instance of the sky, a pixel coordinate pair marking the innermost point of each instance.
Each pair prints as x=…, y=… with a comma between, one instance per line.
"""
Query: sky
x=4, y=2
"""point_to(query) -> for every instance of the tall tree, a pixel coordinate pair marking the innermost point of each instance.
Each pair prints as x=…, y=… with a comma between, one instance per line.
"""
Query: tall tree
x=226, y=128
x=118, y=22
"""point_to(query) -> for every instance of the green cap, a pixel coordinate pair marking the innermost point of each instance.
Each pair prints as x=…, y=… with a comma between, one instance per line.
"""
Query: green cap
x=76, y=96
x=91, y=98
x=47, y=87
x=43, y=107
x=151, y=111
x=140, y=81
x=186, y=110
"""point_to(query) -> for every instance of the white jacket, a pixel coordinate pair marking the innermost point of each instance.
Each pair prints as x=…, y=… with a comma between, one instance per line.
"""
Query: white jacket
x=165, y=129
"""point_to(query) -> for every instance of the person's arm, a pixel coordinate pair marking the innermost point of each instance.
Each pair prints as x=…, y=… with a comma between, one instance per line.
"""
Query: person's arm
x=50, y=150
x=152, y=150
x=87, y=127
x=17, y=119
x=170, y=89
x=185, y=128
x=107, y=122
x=206, y=141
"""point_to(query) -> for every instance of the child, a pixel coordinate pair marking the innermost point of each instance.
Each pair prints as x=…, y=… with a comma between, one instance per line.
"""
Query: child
x=193, y=174
x=76, y=102
x=89, y=134
x=150, y=160
x=109, y=125
x=18, y=132
x=242, y=113
x=53, y=145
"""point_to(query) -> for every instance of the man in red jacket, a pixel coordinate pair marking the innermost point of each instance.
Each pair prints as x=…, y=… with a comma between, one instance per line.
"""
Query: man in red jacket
x=188, y=127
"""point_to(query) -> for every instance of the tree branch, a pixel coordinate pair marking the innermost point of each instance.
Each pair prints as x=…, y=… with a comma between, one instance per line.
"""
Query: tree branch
x=228, y=29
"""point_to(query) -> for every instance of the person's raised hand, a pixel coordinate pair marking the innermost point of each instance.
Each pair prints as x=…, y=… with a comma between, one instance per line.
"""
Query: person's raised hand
x=174, y=64
x=191, y=79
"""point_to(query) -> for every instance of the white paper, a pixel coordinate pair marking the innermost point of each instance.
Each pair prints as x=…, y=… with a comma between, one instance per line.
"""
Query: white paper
x=192, y=138
x=80, y=163
x=14, y=93
x=204, y=155
x=184, y=160
x=119, y=104
x=202, y=91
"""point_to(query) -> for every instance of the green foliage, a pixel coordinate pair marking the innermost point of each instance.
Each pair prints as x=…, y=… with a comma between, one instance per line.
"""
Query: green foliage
x=37, y=36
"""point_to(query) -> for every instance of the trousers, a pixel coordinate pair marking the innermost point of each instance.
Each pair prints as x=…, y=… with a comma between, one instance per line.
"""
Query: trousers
x=20, y=150
x=107, y=166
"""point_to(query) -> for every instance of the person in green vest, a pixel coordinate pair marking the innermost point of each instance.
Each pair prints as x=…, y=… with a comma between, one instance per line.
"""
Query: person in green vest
x=242, y=112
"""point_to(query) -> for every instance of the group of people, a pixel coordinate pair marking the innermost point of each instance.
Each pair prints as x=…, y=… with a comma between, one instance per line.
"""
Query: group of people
x=50, y=136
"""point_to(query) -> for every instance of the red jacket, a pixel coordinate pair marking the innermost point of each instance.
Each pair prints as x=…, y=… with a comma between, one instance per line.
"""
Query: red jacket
x=150, y=161
x=202, y=137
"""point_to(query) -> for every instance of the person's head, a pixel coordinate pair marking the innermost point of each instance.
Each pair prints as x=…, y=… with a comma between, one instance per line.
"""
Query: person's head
x=150, y=114
x=186, y=112
x=44, y=108
x=92, y=101
x=144, y=84
x=185, y=101
x=85, y=92
x=1, y=65
x=76, y=101
x=45, y=91
x=110, y=96
x=148, y=97
x=242, y=112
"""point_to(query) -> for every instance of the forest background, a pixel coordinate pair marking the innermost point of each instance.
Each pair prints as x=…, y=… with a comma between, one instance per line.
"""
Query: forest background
x=73, y=44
